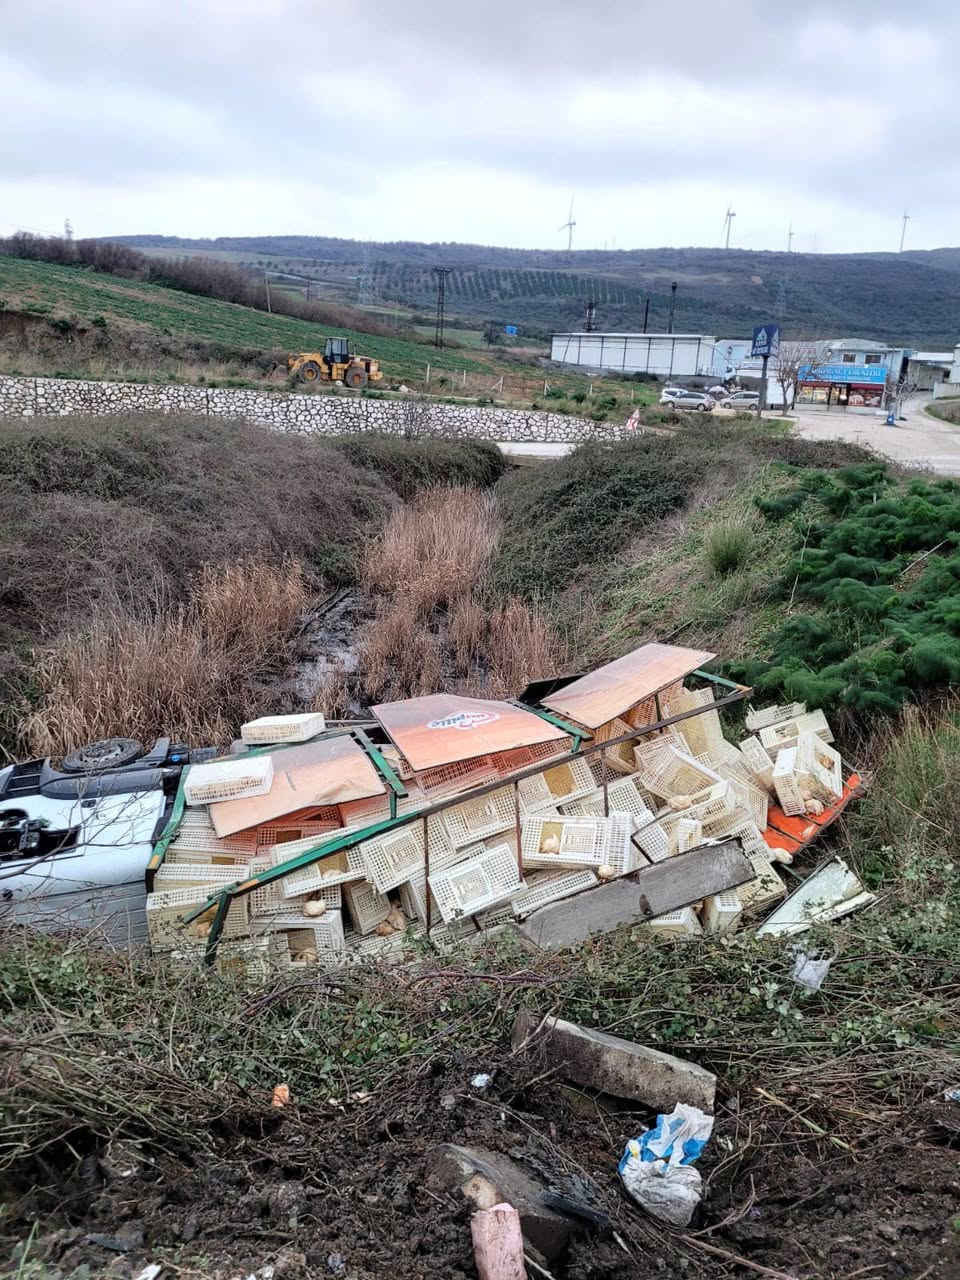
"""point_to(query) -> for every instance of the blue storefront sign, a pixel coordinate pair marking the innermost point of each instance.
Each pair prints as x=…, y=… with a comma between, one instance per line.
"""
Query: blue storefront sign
x=873, y=373
x=766, y=340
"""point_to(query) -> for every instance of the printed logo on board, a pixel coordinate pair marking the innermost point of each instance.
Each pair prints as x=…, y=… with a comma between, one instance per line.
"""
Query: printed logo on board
x=464, y=720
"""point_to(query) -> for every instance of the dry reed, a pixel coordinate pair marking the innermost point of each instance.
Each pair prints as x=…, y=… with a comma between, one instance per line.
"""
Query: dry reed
x=186, y=671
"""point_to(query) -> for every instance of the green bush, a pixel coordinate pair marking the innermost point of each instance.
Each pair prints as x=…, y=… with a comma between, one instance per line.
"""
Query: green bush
x=409, y=465
x=879, y=569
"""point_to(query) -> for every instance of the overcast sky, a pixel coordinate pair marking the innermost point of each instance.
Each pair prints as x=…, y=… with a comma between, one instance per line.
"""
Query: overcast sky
x=461, y=120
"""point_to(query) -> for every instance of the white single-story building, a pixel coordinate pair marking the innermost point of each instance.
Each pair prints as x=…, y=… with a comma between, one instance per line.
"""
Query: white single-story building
x=665, y=355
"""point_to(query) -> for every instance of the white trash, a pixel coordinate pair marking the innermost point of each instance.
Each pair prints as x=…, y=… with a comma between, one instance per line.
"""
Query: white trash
x=656, y=1168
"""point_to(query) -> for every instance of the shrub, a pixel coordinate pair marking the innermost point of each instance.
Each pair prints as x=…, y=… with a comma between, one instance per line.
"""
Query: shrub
x=727, y=546
x=408, y=466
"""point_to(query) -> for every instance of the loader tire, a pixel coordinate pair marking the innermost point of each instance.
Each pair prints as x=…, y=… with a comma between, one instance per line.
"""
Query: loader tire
x=356, y=378
x=310, y=371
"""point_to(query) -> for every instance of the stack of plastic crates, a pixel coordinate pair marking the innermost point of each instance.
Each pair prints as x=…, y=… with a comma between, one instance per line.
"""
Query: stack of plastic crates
x=520, y=758
x=253, y=959
x=786, y=783
x=477, y=883
x=195, y=841
x=166, y=912
x=624, y=795
x=721, y=913
x=185, y=875
x=275, y=730
x=333, y=869
x=758, y=718
x=557, y=785
x=306, y=940
x=765, y=888
x=758, y=762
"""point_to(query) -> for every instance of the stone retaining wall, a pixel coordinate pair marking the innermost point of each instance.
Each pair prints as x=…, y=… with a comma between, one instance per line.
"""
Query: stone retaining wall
x=286, y=411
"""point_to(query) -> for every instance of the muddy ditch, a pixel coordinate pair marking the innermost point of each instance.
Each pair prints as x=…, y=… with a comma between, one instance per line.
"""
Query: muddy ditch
x=352, y=1192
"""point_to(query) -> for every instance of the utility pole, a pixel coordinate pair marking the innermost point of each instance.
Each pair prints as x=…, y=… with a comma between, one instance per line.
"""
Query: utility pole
x=591, y=311
x=266, y=283
x=646, y=314
x=790, y=239
x=441, y=273
x=673, y=303
x=728, y=223
x=903, y=230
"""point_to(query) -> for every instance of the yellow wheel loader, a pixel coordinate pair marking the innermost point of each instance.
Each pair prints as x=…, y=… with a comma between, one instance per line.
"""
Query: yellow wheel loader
x=336, y=363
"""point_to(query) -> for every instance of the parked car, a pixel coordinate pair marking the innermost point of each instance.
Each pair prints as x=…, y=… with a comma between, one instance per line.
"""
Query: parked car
x=688, y=400
x=741, y=400
x=669, y=394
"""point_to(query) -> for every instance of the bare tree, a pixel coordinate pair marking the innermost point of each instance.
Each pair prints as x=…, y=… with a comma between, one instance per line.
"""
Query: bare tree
x=796, y=354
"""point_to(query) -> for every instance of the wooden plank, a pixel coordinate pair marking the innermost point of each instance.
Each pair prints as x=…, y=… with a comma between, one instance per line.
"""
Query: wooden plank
x=667, y=886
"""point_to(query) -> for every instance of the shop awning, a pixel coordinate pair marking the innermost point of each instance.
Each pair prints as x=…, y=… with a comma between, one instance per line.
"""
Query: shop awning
x=608, y=692
x=442, y=728
x=328, y=771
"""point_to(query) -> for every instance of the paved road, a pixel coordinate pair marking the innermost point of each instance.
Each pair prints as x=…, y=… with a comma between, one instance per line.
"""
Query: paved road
x=917, y=439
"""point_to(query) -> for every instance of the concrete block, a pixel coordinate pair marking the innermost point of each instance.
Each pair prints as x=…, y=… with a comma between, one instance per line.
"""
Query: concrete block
x=612, y=1065
x=488, y=1179
x=669, y=885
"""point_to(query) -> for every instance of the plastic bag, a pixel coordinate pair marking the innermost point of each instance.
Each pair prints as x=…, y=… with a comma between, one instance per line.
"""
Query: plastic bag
x=656, y=1168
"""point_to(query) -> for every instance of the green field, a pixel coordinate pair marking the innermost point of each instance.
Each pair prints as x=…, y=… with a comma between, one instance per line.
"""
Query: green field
x=72, y=293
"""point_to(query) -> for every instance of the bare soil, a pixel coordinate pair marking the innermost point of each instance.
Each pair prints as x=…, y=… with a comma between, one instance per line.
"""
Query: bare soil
x=348, y=1192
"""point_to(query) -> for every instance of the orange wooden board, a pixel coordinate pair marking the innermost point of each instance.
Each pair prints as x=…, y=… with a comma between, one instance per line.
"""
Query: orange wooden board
x=604, y=694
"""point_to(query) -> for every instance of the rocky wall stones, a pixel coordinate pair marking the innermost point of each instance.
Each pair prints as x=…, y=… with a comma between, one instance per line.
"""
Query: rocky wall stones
x=322, y=414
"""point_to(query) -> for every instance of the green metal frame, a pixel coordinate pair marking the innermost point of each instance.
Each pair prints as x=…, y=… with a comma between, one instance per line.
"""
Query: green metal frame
x=383, y=767
x=576, y=731
x=707, y=675
x=169, y=831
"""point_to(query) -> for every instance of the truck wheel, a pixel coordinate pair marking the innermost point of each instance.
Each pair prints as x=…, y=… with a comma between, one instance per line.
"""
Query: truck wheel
x=109, y=753
x=355, y=377
x=310, y=371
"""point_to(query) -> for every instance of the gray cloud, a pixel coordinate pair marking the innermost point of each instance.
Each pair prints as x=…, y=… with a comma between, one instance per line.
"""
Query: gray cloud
x=475, y=121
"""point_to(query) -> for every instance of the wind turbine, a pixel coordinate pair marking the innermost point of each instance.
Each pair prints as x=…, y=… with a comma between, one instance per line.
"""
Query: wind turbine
x=568, y=226
x=727, y=224
x=903, y=230
x=790, y=234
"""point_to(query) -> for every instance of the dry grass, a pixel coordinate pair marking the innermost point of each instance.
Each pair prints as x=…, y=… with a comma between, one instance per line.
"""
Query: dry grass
x=437, y=624
x=188, y=671
x=435, y=550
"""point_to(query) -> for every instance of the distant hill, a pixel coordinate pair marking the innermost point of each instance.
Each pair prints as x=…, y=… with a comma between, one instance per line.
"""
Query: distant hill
x=913, y=297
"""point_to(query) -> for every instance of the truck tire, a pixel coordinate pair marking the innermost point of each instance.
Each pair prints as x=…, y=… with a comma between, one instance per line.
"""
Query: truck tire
x=356, y=377
x=310, y=371
x=109, y=753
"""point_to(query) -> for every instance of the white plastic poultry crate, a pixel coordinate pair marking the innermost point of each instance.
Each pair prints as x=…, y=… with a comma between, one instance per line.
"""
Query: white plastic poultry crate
x=703, y=733
x=186, y=855
x=722, y=912
x=310, y=941
x=449, y=779
x=618, y=757
x=179, y=875
x=479, y=817
x=642, y=714
x=497, y=917
x=749, y=835
x=273, y=730
x=758, y=761
x=780, y=736
x=676, y=925
x=335, y=869
x=559, y=784
x=582, y=842
x=787, y=784
x=758, y=718
x=650, y=836
x=236, y=779
x=819, y=768
x=766, y=887
x=624, y=795
x=544, y=887
x=753, y=800
x=677, y=773
x=478, y=883
x=253, y=959
x=689, y=834
x=166, y=912
x=622, y=855
x=395, y=856
x=367, y=907
x=206, y=840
